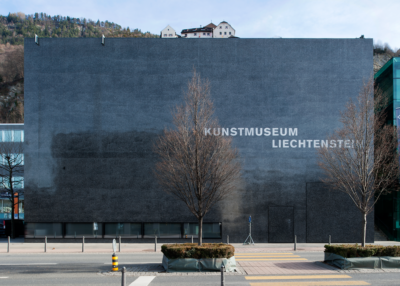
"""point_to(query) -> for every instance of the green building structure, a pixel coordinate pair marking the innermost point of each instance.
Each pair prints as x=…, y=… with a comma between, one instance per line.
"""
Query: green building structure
x=387, y=209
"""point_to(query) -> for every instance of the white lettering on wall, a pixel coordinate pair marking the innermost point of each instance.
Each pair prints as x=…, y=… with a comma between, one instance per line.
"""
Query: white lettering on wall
x=283, y=132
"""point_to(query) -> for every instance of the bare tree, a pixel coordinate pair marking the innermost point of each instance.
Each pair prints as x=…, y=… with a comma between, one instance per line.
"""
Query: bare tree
x=365, y=163
x=13, y=66
x=197, y=168
x=11, y=173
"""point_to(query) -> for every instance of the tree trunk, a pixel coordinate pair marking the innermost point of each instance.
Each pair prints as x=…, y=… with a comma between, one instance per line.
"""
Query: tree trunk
x=12, y=216
x=201, y=231
x=364, y=229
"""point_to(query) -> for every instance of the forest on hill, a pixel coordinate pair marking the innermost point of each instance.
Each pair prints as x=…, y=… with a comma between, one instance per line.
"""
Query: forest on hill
x=17, y=26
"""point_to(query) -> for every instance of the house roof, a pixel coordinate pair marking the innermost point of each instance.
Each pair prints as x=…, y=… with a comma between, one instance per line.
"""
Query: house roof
x=195, y=30
x=211, y=25
x=167, y=27
x=225, y=22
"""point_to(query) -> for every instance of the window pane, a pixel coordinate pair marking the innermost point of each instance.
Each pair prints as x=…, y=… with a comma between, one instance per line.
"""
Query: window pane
x=210, y=230
x=133, y=230
x=396, y=68
x=43, y=229
x=7, y=136
x=396, y=89
x=73, y=230
x=162, y=230
x=21, y=207
x=6, y=206
x=17, y=135
x=190, y=229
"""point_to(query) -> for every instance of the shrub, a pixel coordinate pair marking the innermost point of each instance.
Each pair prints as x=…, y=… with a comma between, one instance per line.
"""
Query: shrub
x=192, y=250
x=354, y=250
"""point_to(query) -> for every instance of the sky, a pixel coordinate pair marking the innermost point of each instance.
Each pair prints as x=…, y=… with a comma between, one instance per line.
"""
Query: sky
x=250, y=18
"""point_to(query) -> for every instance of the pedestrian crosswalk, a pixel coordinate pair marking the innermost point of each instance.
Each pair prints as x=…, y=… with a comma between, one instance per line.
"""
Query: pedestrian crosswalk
x=268, y=257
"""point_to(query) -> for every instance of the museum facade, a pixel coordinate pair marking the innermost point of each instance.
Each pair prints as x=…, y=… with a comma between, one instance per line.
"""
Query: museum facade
x=93, y=113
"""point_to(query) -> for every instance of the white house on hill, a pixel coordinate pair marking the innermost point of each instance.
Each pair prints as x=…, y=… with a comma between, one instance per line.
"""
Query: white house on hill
x=223, y=30
x=168, y=32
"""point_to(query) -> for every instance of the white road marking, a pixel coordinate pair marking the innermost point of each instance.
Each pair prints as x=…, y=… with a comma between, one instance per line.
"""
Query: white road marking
x=3, y=277
x=142, y=281
x=120, y=263
x=12, y=264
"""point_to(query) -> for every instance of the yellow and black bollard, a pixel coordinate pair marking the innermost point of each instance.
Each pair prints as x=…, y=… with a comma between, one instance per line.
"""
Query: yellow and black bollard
x=114, y=262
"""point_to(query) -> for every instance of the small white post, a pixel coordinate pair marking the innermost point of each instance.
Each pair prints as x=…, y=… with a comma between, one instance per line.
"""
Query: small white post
x=295, y=242
x=155, y=244
x=45, y=244
x=83, y=244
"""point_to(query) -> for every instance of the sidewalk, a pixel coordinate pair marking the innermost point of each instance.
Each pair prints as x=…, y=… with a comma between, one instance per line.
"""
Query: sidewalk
x=18, y=246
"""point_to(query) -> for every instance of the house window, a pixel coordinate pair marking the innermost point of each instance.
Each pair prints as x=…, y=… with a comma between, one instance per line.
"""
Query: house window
x=195, y=34
x=204, y=34
x=230, y=33
x=224, y=33
x=208, y=34
x=220, y=33
x=170, y=35
x=185, y=35
x=165, y=35
x=220, y=27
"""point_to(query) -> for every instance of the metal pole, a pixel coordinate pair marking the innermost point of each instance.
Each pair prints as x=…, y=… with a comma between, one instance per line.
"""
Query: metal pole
x=295, y=242
x=329, y=240
x=155, y=244
x=123, y=281
x=119, y=250
x=8, y=245
x=227, y=239
x=192, y=238
x=45, y=244
x=83, y=244
x=222, y=275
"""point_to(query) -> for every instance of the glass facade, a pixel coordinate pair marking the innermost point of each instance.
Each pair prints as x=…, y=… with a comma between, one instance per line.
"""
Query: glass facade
x=162, y=230
x=5, y=206
x=387, y=209
x=38, y=230
x=11, y=135
x=137, y=230
x=210, y=230
x=78, y=230
x=132, y=230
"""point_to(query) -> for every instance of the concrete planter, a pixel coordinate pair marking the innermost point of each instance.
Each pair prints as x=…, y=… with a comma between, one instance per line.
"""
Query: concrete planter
x=196, y=265
x=373, y=262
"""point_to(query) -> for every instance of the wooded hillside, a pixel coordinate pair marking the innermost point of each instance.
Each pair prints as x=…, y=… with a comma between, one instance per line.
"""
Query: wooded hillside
x=17, y=26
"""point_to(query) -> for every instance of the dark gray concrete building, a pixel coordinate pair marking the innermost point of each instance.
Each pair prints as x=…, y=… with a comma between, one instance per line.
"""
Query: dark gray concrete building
x=93, y=112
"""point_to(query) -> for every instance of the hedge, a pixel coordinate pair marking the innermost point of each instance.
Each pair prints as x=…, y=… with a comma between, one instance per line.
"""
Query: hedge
x=193, y=250
x=355, y=250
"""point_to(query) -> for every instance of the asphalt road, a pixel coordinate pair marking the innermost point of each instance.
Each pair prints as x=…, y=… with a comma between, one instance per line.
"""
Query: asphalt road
x=84, y=269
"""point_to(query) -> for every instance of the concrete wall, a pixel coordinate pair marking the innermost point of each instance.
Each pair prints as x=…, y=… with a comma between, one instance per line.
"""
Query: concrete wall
x=92, y=113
